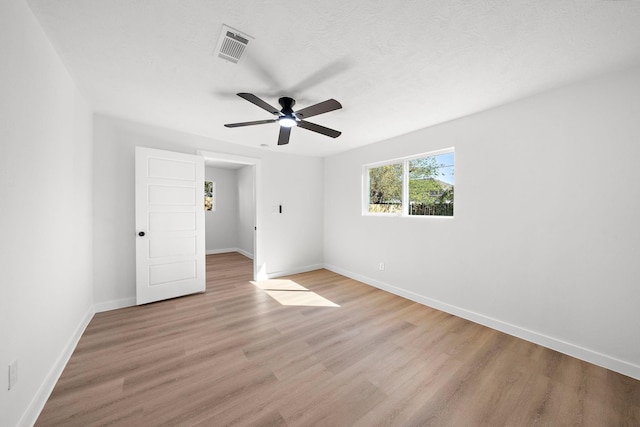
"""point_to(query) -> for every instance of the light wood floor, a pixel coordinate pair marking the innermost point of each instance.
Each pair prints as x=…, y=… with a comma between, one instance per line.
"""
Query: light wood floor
x=235, y=356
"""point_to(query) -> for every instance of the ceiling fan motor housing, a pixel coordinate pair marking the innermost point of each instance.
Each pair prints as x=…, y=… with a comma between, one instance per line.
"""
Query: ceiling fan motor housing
x=287, y=105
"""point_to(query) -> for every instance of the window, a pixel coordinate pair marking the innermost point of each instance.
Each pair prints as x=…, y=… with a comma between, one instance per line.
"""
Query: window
x=209, y=196
x=385, y=189
x=414, y=186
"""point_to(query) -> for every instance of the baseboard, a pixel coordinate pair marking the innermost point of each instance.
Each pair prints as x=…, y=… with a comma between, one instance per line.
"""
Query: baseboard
x=229, y=250
x=37, y=404
x=588, y=355
x=303, y=269
x=245, y=253
x=220, y=251
x=115, y=304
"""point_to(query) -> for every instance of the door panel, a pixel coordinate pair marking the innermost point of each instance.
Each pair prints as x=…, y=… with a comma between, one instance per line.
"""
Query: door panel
x=161, y=274
x=170, y=255
x=172, y=169
x=172, y=247
x=172, y=221
x=165, y=195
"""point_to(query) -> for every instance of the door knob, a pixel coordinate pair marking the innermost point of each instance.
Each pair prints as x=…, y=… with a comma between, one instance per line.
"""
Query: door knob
x=141, y=233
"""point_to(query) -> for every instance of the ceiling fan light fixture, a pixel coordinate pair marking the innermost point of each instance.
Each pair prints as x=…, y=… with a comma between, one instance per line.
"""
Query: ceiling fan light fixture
x=287, y=122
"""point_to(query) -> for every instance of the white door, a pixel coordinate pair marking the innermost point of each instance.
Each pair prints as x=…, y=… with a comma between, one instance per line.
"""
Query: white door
x=170, y=237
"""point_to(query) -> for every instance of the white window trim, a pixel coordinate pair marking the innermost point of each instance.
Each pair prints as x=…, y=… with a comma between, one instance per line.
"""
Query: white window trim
x=405, y=184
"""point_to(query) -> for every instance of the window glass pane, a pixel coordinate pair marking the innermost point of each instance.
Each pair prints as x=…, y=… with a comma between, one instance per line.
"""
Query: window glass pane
x=431, y=185
x=209, y=190
x=385, y=189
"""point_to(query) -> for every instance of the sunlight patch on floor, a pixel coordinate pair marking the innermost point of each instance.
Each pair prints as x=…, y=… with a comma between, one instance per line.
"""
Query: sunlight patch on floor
x=279, y=285
x=288, y=292
x=306, y=298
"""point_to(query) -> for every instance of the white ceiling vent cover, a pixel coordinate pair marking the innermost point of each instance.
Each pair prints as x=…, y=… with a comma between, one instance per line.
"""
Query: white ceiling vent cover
x=232, y=44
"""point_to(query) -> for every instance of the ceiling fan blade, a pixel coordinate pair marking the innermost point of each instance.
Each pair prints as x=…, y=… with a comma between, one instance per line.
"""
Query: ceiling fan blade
x=320, y=129
x=283, y=137
x=322, y=107
x=259, y=102
x=258, y=122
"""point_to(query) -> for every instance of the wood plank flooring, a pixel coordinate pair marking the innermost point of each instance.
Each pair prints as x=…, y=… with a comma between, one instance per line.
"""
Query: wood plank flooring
x=236, y=356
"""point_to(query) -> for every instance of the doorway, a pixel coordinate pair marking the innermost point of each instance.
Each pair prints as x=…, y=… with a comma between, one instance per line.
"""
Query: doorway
x=243, y=173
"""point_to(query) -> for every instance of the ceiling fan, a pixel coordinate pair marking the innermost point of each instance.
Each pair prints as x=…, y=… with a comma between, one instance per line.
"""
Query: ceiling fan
x=287, y=118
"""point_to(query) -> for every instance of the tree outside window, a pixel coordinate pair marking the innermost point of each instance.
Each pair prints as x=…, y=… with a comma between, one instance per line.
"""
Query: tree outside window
x=431, y=185
x=385, y=189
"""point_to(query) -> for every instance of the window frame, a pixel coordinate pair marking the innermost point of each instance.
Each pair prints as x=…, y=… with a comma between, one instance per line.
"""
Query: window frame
x=404, y=161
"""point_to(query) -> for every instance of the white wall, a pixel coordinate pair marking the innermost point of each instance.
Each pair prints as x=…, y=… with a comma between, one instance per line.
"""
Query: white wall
x=222, y=224
x=288, y=242
x=46, y=292
x=546, y=238
x=246, y=210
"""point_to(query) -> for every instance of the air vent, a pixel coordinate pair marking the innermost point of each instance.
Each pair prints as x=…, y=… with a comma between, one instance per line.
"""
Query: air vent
x=232, y=44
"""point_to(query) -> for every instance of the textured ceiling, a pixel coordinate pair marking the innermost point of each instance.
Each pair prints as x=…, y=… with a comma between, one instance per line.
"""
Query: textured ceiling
x=396, y=66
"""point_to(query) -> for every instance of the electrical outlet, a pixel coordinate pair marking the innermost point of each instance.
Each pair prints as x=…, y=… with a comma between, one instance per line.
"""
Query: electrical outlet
x=381, y=266
x=13, y=374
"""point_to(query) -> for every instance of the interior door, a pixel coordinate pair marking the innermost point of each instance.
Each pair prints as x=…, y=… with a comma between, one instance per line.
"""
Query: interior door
x=170, y=235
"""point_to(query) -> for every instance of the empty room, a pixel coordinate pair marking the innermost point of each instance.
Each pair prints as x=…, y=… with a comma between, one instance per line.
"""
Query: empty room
x=319, y=213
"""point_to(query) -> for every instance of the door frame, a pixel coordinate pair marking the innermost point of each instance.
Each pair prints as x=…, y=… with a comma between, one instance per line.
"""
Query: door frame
x=257, y=198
